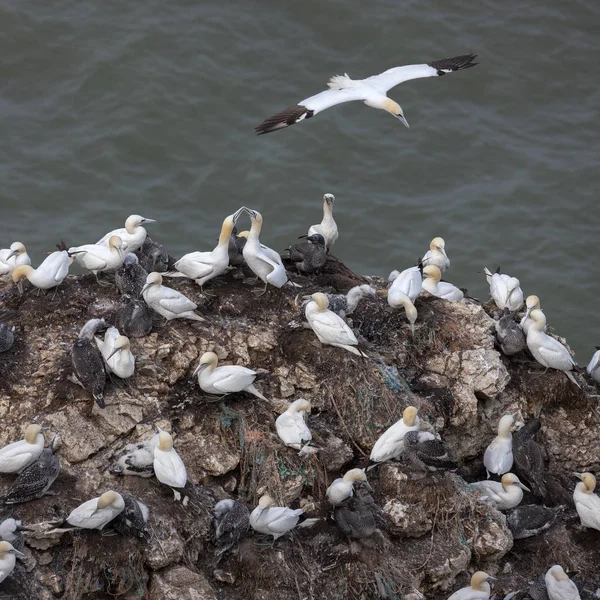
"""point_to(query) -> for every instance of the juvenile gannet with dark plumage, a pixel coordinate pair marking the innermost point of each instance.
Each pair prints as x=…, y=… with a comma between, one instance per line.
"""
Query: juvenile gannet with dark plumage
x=167, y=302
x=17, y=456
x=327, y=227
x=559, y=586
x=135, y=459
x=505, y=290
x=531, y=519
x=7, y=337
x=436, y=255
x=372, y=91
x=93, y=514
x=528, y=457
x=8, y=559
x=509, y=334
x=87, y=361
x=498, y=457
x=237, y=241
x=132, y=235
x=442, y=289
x=355, y=517
x=329, y=328
x=11, y=531
x=391, y=442
x=531, y=303
x=593, y=367
x=51, y=273
x=98, y=258
x=133, y=519
x=478, y=590
x=586, y=502
x=308, y=256
x=13, y=257
x=228, y=379
x=153, y=256
x=291, y=426
x=231, y=521
x=546, y=350
x=135, y=319
x=130, y=277
x=276, y=520
x=344, y=305
x=116, y=352
x=425, y=455
x=342, y=488
x=168, y=466
x=503, y=494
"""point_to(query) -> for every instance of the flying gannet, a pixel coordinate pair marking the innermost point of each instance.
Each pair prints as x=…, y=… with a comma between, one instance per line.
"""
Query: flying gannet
x=98, y=258
x=442, y=289
x=531, y=519
x=231, y=521
x=503, y=494
x=327, y=227
x=88, y=365
x=95, y=513
x=7, y=337
x=135, y=319
x=478, y=590
x=130, y=277
x=51, y=273
x=135, y=459
x=498, y=457
x=436, y=255
x=505, y=290
x=593, y=366
x=342, y=488
x=532, y=303
x=308, y=256
x=344, y=305
x=559, y=586
x=116, y=352
x=132, y=235
x=509, y=334
x=372, y=91
x=528, y=457
x=13, y=257
x=167, y=302
x=391, y=442
x=228, y=379
x=276, y=520
x=8, y=559
x=586, y=502
x=17, y=456
x=292, y=429
x=153, y=256
x=168, y=466
x=133, y=519
x=545, y=349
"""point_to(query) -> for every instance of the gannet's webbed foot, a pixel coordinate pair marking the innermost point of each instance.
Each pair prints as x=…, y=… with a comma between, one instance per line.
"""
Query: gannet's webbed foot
x=251, y=280
x=102, y=283
x=258, y=292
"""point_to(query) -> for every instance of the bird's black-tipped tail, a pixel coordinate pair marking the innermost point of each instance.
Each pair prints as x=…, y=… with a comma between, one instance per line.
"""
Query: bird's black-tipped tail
x=284, y=119
x=458, y=63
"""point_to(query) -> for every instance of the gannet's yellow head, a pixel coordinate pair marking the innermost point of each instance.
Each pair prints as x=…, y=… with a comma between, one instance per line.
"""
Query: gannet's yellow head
x=409, y=416
x=165, y=441
x=32, y=432
x=208, y=359
x=121, y=343
x=115, y=243
x=395, y=110
x=532, y=302
x=438, y=243
x=8, y=548
x=226, y=229
x=505, y=424
x=538, y=318
x=355, y=475
x=589, y=482
x=152, y=279
x=479, y=579
x=432, y=272
x=300, y=405
x=16, y=248
x=321, y=300
x=266, y=502
x=108, y=499
x=20, y=272
x=134, y=221
x=558, y=573
x=255, y=217
x=511, y=479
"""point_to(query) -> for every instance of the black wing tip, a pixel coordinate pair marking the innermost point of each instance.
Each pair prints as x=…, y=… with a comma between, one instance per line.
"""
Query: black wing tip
x=456, y=63
x=284, y=119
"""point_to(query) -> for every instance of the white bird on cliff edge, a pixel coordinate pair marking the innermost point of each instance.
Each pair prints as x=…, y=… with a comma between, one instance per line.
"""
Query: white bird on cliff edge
x=505, y=290
x=436, y=255
x=531, y=303
x=276, y=520
x=292, y=429
x=403, y=291
x=586, y=502
x=504, y=494
x=116, y=352
x=498, y=457
x=168, y=466
x=18, y=455
x=51, y=273
x=13, y=257
x=559, y=586
x=372, y=91
x=95, y=513
x=8, y=559
x=132, y=235
x=342, y=488
x=391, y=442
x=593, y=367
x=442, y=289
x=478, y=590
x=167, y=302
x=327, y=227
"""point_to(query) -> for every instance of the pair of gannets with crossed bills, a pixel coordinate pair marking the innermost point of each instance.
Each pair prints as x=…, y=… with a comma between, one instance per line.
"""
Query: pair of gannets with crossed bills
x=168, y=466
x=17, y=456
x=371, y=91
x=586, y=502
x=478, y=590
x=292, y=429
x=342, y=488
x=13, y=257
x=93, y=514
x=442, y=289
x=276, y=520
x=559, y=586
x=8, y=559
x=116, y=352
x=51, y=273
x=167, y=302
x=498, y=457
x=505, y=290
x=504, y=494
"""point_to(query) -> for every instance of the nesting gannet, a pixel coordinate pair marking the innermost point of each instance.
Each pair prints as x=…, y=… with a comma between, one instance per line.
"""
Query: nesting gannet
x=327, y=227
x=505, y=290
x=132, y=235
x=116, y=352
x=528, y=457
x=372, y=91
x=95, y=513
x=509, y=334
x=442, y=289
x=11, y=531
x=291, y=426
x=545, y=349
x=425, y=455
x=397, y=298
x=13, y=257
x=133, y=519
x=276, y=520
x=168, y=466
x=531, y=519
x=531, y=303
x=17, y=456
x=87, y=361
x=478, y=590
x=345, y=304
x=98, y=258
x=559, y=586
x=168, y=302
x=153, y=256
x=498, y=457
x=135, y=319
x=343, y=487
x=35, y=480
x=308, y=256
x=355, y=517
x=436, y=255
x=409, y=283
x=231, y=521
x=391, y=442
x=592, y=368
x=135, y=459
x=237, y=241
x=8, y=559
x=130, y=277
x=329, y=328
x=264, y=262
x=503, y=494
x=7, y=337
x=228, y=379
x=586, y=502
x=51, y=273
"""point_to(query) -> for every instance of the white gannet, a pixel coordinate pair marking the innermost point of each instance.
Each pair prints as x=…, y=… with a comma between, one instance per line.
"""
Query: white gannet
x=130, y=277
x=592, y=368
x=505, y=290
x=372, y=91
x=168, y=302
x=135, y=319
x=132, y=235
x=204, y=266
x=330, y=328
x=531, y=303
x=231, y=521
x=498, y=457
x=116, y=352
x=559, y=586
x=391, y=442
x=436, y=255
x=345, y=304
x=135, y=459
x=442, y=289
x=503, y=494
x=308, y=256
x=276, y=520
x=88, y=365
x=133, y=519
x=228, y=379
x=327, y=227
x=51, y=273
x=13, y=257
x=545, y=349
x=586, y=502
x=18, y=455
x=405, y=287
x=98, y=258
x=478, y=590
x=8, y=559
x=95, y=513
x=342, y=488
x=291, y=426
x=168, y=466
x=264, y=262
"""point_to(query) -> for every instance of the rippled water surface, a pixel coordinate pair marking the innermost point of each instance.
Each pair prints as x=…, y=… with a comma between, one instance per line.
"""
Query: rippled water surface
x=112, y=108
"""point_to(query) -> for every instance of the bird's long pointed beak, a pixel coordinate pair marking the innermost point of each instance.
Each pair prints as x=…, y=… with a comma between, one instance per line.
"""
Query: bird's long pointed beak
x=17, y=553
x=527, y=313
x=112, y=353
x=144, y=220
x=578, y=475
x=523, y=487
x=13, y=253
x=402, y=119
x=199, y=368
x=237, y=213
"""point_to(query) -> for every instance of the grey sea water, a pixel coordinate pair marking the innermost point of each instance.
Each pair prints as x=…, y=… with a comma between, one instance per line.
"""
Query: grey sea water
x=112, y=108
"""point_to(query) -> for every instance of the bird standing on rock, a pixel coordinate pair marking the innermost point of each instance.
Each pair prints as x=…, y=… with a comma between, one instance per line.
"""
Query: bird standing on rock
x=593, y=367
x=276, y=520
x=168, y=466
x=509, y=334
x=50, y=274
x=167, y=302
x=559, y=586
x=531, y=519
x=327, y=227
x=442, y=289
x=130, y=277
x=292, y=429
x=436, y=255
x=498, y=457
x=391, y=442
x=132, y=235
x=8, y=559
x=7, y=337
x=425, y=455
x=505, y=290
x=231, y=521
x=153, y=256
x=309, y=256
x=116, y=352
x=586, y=502
x=15, y=457
x=478, y=590
x=88, y=365
x=528, y=458
x=99, y=258
x=135, y=319
x=502, y=495
x=342, y=488
x=94, y=514
x=13, y=257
